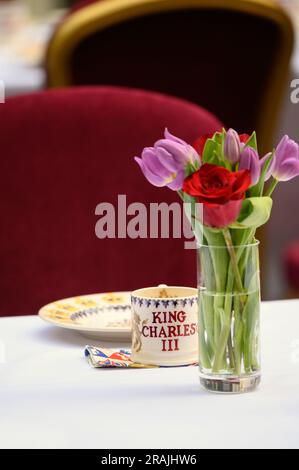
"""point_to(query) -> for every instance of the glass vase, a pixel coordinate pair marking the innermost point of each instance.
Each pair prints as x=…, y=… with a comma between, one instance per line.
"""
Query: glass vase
x=229, y=317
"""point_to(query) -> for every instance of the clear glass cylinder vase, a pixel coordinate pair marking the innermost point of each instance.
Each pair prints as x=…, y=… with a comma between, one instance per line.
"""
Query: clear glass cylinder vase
x=229, y=317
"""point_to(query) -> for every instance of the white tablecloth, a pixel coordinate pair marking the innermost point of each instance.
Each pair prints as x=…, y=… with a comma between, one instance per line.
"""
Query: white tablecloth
x=51, y=398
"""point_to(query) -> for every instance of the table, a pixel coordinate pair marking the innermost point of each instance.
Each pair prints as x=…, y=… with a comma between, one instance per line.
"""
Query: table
x=22, y=53
x=51, y=398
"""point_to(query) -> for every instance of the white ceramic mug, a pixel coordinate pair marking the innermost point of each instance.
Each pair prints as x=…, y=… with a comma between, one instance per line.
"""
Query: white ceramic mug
x=165, y=325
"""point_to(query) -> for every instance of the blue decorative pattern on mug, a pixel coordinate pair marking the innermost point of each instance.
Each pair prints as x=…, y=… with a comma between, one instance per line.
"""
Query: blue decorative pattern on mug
x=164, y=303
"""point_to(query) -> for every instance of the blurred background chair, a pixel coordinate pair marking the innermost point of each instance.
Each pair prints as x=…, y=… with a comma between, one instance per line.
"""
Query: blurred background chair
x=230, y=56
x=291, y=268
x=212, y=45
x=62, y=153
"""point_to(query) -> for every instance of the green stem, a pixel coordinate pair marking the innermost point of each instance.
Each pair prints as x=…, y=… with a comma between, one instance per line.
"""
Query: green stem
x=233, y=257
x=203, y=349
x=219, y=264
x=233, y=275
x=238, y=333
x=271, y=187
x=253, y=335
x=221, y=345
x=231, y=353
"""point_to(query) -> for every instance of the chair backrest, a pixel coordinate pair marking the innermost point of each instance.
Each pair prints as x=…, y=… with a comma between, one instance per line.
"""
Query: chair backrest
x=62, y=153
x=230, y=56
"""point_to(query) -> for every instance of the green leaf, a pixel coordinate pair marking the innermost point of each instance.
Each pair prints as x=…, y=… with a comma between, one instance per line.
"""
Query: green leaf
x=213, y=150
x=196, y=165
x=219, y=137
x=190, y=168
x=252, y=142
x=209, y=149
x=216, y=159
x=255, y=212
x=213, y=153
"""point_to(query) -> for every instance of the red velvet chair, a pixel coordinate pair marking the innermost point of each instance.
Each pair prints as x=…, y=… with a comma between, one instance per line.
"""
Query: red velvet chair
x=63, y=152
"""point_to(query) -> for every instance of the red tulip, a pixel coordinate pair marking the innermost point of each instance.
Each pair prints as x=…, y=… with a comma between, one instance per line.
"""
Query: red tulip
x=244, y=138
x=200, y=143
x=221, y=215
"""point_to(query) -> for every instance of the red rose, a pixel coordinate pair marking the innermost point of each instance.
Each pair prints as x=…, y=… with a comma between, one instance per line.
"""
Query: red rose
x=221, y=191
x=213, y=184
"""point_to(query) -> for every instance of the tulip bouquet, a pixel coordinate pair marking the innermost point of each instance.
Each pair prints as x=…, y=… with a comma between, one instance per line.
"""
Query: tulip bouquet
x=224, y=174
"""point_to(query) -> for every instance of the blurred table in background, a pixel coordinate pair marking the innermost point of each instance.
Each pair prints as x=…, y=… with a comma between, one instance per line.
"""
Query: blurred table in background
x=23, y=42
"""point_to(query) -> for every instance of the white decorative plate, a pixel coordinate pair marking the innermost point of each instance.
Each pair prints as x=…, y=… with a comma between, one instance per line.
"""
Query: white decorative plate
x=100, y=316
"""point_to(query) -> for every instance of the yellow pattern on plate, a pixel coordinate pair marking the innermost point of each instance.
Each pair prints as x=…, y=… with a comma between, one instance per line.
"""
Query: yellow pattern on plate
x=105, y=316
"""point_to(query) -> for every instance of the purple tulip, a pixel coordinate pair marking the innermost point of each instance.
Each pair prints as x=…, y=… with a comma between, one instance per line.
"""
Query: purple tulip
x=249, y=160
x=262, y=163
x=232, y=147
x=285, y=162
x=165, y=163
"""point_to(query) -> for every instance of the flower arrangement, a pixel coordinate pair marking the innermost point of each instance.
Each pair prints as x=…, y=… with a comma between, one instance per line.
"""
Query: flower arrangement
x=224, y=173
